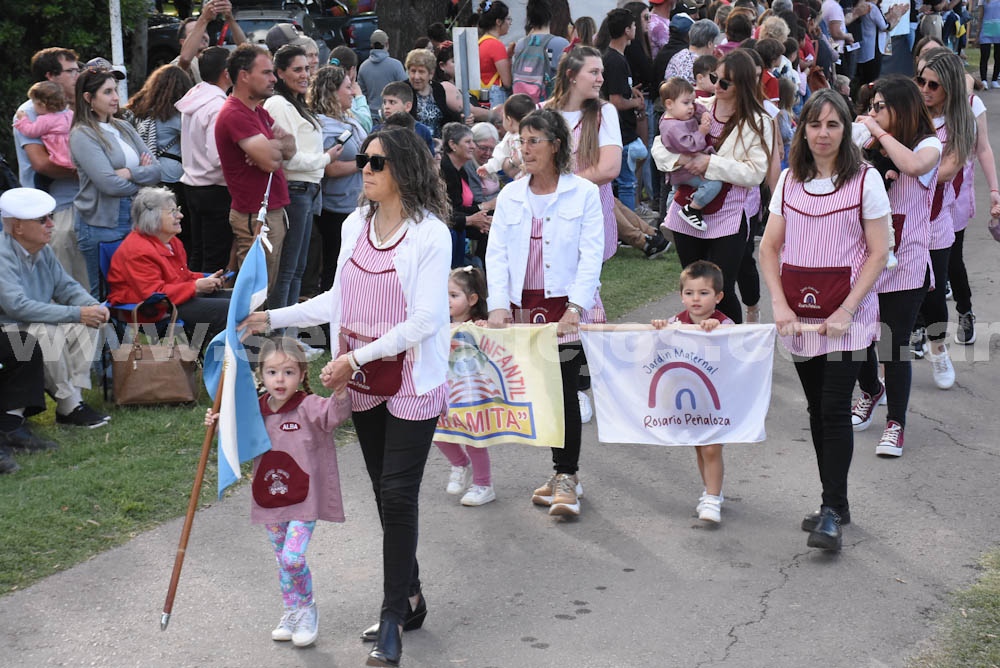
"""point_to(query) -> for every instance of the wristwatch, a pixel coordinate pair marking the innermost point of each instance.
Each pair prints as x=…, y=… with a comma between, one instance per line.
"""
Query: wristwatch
x=570, y=306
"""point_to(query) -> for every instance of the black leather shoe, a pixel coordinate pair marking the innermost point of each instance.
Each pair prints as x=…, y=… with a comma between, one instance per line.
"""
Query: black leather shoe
x=23, y=439
x=7, y=463
x=414, y=620
x=827, y=534
x=389, y=645
x=810, y=521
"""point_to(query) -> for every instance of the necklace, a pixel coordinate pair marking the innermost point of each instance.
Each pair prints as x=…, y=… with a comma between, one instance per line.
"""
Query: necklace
x=381, y=238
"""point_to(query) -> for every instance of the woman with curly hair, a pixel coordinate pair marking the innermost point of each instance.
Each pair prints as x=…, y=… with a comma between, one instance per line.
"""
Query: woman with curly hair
x=388, y=308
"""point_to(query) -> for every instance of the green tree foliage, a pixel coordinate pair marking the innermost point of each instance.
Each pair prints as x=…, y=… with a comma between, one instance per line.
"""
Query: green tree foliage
x=27, y=26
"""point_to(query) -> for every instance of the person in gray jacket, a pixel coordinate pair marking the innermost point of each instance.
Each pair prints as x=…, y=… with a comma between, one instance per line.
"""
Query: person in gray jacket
x=378, y=70
x=40, y=298
x=112, y=162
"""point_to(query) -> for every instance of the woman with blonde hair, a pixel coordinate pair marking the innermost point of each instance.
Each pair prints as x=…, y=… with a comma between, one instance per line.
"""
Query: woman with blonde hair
x=941, y=79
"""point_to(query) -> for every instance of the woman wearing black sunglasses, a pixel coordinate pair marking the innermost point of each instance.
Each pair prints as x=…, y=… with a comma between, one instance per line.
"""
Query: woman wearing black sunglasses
x=389, y=310
x=904, y=134
x=941, y=79
x=743, y=135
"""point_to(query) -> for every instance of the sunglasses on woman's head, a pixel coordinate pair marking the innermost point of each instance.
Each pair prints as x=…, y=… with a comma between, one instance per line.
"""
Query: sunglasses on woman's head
x=377, y=162
x=924, y=83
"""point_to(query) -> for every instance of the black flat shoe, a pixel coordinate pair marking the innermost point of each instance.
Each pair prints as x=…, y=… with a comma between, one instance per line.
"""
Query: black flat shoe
x=414, y=620
x=827, y=534
x=810, y=521
x=388, y=645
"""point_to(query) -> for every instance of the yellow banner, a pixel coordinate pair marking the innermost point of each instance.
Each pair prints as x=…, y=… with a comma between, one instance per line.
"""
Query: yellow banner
x=504, y=387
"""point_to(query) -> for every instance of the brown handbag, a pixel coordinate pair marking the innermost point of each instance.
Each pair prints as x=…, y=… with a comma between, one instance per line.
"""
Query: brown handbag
x=155, y=373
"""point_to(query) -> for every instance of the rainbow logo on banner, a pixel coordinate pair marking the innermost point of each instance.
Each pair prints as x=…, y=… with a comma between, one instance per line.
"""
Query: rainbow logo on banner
x=683, y=391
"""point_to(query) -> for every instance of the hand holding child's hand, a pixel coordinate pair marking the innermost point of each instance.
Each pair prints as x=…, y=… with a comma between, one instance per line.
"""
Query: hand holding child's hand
x=708, y=324
x=210, y=417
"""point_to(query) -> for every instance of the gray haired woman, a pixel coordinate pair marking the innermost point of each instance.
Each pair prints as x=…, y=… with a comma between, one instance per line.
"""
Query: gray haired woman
x=468, y=220
x=151, y=259
x=701, y=42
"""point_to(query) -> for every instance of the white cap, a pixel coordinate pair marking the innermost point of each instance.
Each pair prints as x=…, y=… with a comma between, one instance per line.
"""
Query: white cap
x=26, y=203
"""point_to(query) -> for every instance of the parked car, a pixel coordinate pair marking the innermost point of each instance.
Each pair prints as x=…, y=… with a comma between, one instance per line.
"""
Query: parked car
x=329, y=22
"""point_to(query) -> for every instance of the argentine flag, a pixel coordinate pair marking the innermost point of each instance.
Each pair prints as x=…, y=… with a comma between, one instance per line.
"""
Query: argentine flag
x=241, y=431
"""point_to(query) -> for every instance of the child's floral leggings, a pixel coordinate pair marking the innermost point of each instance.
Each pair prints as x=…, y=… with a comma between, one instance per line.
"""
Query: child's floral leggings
x=290, y=540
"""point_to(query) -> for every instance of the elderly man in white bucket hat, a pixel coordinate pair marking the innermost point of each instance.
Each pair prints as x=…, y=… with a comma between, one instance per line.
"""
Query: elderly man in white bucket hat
x=39, y=297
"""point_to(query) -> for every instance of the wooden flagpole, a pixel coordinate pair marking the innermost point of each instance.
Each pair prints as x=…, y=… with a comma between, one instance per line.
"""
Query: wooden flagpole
x=199, y=476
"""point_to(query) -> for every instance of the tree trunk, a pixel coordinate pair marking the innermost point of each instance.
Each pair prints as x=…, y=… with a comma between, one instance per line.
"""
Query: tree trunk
x=406, y=20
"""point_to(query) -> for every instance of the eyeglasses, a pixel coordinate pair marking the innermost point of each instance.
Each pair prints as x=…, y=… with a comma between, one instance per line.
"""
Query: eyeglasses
x=175, y=211
x=43, y=220
x=533, y=141
x=724, y=84
x=877, y=106
x=74, y=71
x=377, y=162
x=924, y=83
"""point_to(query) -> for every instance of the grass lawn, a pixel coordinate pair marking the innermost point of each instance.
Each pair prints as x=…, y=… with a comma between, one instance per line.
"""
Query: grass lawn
x=104, y=486
x=971, y=634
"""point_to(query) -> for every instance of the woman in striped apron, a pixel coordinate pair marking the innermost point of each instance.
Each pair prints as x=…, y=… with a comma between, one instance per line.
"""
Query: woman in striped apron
x=824, y=246
x=941, y=78
x=962, y=212
x=900, y=123
x=742, y=133
x=543, y=264
x=389, y=304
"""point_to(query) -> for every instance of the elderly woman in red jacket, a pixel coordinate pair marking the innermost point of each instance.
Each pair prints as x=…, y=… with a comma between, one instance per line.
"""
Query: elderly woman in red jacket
x=151, y=259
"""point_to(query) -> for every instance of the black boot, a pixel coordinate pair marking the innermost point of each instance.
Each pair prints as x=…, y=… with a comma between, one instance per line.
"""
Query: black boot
x=827, y=534
x=414, y=620
x=389, y=645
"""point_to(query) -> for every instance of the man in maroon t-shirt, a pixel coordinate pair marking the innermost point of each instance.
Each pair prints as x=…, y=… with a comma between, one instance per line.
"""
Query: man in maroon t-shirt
x=251, y=147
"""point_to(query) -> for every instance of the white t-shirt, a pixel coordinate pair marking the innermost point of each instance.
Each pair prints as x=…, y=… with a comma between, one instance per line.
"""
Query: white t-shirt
x=131, y=157
x=610, y=133
x=539, y=203
x=874, y=200
x=929, y=142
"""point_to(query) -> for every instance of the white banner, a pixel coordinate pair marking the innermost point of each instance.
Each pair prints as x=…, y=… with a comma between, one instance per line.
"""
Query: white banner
x=680, y=386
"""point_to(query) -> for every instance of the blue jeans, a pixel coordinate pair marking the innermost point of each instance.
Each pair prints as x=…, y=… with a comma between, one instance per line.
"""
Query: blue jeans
x=631, y=153
x=90, y=237
x=704, y=191
x=295, y=250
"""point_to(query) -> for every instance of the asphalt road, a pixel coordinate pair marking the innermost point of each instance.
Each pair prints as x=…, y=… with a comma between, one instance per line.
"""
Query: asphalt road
x=637, y=580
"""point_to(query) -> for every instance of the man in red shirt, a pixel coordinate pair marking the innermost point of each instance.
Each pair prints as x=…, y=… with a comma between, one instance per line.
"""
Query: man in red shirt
x=251, y=148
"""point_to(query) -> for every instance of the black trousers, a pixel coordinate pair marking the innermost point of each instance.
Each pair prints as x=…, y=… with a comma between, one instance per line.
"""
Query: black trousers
x=22, y=378
x=330, y=224
x=984, y=61
x=828, y=381
x=748, y=277
x=898, y=313
x=961, y=291
x=395, y=452
x=204, y=317
x=934, y=310
x=728, y=253
x=207, y=214
x=567, y=458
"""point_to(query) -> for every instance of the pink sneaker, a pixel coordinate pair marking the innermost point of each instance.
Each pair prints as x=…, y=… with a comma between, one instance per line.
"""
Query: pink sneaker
x=891, y=444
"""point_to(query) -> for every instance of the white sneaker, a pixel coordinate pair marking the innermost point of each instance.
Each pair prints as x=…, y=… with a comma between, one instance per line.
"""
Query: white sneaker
x=286, y=627
x=311, y=353
x=704, y=495
x=942, y=369
x=986, y=84
x=479, y=495
x=710, y=509
x=459, y=479
x=306, y=627
x=995, y=84
x=586, y=410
